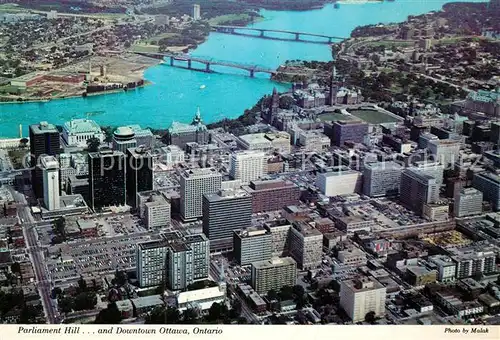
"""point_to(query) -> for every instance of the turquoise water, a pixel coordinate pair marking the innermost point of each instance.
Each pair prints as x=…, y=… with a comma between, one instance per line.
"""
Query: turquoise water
x=175, y=93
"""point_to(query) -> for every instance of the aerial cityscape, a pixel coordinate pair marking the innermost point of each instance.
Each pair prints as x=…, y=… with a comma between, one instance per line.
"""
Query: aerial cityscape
x=263, y=162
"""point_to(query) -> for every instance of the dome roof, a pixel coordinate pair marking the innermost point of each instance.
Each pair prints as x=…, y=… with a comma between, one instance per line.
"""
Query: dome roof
x=124, y=132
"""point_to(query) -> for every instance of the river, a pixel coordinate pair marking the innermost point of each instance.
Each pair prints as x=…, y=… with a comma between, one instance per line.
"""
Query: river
x=176, y=93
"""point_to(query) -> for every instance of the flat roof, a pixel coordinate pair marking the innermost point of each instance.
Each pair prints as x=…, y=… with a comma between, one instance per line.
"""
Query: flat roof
x=278, y=262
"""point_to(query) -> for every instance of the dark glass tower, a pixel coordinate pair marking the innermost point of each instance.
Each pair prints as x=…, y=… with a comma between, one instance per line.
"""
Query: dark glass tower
x=139, y=172
x=107, y=179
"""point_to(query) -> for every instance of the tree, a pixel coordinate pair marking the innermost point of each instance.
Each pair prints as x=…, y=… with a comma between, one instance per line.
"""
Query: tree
x=60, y=228
x=120, y=278
x=82, y=284
x=218, y=312
x=93, y=144
x=66, y=304
x=24, y=142
x=189, y=316
x=109, y=316
x=272, y=295
x=16, y=268
x=370, y=317
x=30, y=314
x=86, y=300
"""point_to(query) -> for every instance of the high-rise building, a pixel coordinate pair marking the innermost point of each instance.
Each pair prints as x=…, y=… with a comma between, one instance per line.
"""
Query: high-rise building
x=346, y=131
x=306, y=246
x=50, y=168
x=251, y=245
x=417, y=189
x=157, y=211
x=445, y=151
x=179, y=266
x=489, y=184
x=44, y=140
x=200, y=245
x=271, y=195
x=248, y=165
x=273, y=274
x=224, y=212
x=196, y=12
x=342, y=181
x=194, y=184
x=468, y=201
x=280, y=232
x=107, y=178
x=139, y=172
x=360, y=296
x=472, y=261
x=381, y=179
x=174, y=260
x=150, y=262
x=434, y=169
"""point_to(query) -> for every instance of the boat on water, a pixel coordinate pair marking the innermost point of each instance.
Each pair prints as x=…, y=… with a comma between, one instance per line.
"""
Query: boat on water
x=202, y=87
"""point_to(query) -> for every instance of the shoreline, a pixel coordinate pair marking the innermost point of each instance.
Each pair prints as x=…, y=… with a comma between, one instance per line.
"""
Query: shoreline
x=102, y=93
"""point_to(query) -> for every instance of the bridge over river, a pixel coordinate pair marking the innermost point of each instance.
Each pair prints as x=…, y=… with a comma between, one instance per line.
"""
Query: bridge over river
x=189, y=60
x=296, y=36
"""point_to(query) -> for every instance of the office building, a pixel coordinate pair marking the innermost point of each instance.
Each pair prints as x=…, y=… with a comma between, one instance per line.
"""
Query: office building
x=472, y=261
x=139, y=172
x=272, y=195
x=200, y=245
x=157, y=211
x=78, y=186
x=306, y=246
x=150, y=261
x=174, y=260
x=273, y=274
x=251, y=245
x=417, y=189
x=468, y=201
x=194, y=184
x=44, y=140
x=50, y=168
x=267, y=142
x=445, y=266
x=248, y=165
x=312, y=140
x=107, y=179
x=143, y=137
x=361, y=296
x=341, y=181
x=445, y=151
x=78, y=131
x=489, y=184
x=381, y=179
x=124, y=138
x=172, y=155
x=179, y=268
x=224, y=212
x=180, y=134
x=280, y=231
x=434, y=169
x=196, y=12
x=342, y=131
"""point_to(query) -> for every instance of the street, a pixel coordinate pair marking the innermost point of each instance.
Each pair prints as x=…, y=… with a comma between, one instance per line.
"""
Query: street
x=35, y=252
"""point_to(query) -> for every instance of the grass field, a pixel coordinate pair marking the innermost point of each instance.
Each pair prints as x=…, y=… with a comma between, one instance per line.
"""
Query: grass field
x=144, y=48
x=327, y=117
x=373, y=116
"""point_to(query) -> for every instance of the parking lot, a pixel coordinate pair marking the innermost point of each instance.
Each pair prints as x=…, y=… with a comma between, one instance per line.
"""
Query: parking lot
x=70, y=261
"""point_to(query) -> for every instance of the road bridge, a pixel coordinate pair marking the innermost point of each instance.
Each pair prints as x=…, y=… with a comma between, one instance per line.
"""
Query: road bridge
x=208, y=62
x=296, y=36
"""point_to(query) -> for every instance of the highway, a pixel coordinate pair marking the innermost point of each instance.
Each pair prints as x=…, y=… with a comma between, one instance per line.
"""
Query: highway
x=35, y=252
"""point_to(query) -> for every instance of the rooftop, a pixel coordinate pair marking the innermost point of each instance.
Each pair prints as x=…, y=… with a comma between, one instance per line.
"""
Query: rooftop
x=43, y=127
x=82, y=126
x=277, y=262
